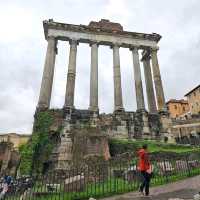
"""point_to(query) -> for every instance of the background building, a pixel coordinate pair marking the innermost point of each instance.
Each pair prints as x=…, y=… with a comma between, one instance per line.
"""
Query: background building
x=193, y=97
x=177, y=108
x=16, y=139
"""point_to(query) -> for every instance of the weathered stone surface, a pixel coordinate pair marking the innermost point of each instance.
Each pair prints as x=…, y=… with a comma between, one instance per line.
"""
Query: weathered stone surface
x=89, y=141
x=106, y=25
x=85, y=132
x=118, y=101
x=87, y=34
x=9, y=159
x=74, y=184
x=94, y=78
x=149, y=85
x=69, y=96
x=47, y=79
x=138, y=80
x=158, y=81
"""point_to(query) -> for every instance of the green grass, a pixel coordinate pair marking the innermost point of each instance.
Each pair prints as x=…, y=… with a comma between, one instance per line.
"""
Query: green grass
x=118, y=146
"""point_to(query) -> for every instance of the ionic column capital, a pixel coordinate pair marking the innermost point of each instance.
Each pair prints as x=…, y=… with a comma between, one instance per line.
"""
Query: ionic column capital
x=51, y=37
x=115, y=45
x=154, y=49
x=94, y=43
x=73, y=42
x=134, y=48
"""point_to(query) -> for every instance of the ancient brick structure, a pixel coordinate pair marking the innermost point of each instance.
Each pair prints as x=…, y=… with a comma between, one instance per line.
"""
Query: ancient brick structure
x=142, y=123
x=9, y=158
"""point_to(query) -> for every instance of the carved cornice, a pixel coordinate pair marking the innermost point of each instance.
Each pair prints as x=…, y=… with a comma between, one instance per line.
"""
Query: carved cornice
x=98, y=30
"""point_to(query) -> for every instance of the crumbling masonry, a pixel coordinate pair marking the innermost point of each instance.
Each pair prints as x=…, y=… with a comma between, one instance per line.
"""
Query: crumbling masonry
x=151, y=123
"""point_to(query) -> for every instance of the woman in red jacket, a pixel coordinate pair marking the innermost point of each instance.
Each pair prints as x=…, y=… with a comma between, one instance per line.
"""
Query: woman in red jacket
x=145, y=169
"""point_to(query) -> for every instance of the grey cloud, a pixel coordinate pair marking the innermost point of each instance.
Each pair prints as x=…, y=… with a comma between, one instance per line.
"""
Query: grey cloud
x=22, y=55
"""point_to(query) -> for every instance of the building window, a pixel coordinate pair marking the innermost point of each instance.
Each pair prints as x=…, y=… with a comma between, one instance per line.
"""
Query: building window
x=184, y=109
x=175, y=107
x=195, y=94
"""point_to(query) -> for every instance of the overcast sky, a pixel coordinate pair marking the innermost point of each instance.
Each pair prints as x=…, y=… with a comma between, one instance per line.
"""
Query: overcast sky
x=23, y=49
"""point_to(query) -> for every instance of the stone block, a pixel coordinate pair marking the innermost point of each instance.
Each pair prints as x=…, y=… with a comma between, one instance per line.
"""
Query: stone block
x=74, y=184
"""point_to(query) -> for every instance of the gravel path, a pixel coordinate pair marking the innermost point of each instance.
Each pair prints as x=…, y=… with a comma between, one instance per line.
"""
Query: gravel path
x=184, y=189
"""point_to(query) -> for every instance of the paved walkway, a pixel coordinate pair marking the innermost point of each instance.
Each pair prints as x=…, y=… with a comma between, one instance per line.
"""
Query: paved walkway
x=184, y=189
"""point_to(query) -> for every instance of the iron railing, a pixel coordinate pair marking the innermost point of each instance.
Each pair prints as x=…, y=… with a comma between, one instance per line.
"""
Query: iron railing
x=118, y=175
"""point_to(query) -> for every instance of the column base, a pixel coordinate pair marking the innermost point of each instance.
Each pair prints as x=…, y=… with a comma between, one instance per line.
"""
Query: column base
x=153, y=112
x=164, y=112
x=94, y=112
x=142, y=111
x=119, y=110
x=165, y=121
x=40, y=108
x=144, y=117
x=67, y=110
x=93, y=109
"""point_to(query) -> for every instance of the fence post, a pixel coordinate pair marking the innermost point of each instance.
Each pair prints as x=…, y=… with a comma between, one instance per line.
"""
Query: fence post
x=165, y=168
x=188, y=166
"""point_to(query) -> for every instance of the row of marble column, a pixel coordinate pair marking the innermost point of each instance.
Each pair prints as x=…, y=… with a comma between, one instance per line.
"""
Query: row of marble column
x=48, y=74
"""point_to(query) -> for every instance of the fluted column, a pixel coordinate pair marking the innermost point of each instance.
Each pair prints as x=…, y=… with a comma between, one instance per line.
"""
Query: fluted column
x=117, y=80
x=157, y=81
x=48, y=73
x=138, y=80
x=94, y=78
x=149, y=85
x=69, y=96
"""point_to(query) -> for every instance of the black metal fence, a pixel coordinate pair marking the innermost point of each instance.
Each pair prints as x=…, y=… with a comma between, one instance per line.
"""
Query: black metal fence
x=100, y=179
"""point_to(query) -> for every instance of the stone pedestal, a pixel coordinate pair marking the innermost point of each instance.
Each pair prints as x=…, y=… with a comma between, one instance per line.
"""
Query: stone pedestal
x=89, y=141
x=165, y=121
x=62, y=153
x=144, y=123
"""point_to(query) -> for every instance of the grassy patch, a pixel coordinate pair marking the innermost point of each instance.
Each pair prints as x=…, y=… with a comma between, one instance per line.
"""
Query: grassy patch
x=119, y=146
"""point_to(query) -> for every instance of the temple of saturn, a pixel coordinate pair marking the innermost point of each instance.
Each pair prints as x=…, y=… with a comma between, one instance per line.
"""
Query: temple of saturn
x=109, y=34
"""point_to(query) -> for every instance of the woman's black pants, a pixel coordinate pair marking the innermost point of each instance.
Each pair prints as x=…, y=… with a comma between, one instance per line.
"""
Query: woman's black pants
x=146, y=181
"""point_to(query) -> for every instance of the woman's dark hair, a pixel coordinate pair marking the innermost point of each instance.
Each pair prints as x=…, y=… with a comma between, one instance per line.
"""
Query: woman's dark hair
x=144, y=146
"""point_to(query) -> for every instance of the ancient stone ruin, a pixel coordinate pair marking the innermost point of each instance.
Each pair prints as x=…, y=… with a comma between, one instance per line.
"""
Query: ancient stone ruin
x=89, y=125
x=9, y=158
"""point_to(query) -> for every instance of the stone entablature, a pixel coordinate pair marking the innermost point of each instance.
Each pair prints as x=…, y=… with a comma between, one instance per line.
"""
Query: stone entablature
x=110, y=34
x=104, y=36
